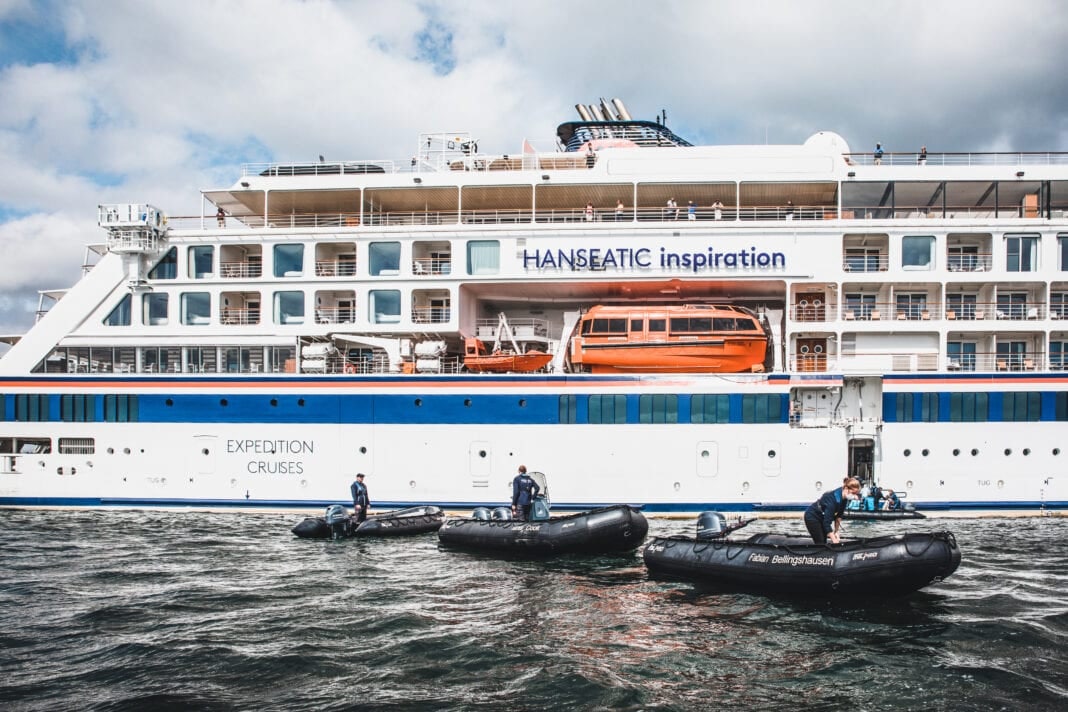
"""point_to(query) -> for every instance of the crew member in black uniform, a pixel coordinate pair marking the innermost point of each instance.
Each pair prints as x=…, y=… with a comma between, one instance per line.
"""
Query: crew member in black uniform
x=361, y=501
x=823, y=518
x=524, y=490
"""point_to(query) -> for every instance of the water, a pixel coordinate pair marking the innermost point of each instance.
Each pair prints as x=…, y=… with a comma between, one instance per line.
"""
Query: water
x=158, y=610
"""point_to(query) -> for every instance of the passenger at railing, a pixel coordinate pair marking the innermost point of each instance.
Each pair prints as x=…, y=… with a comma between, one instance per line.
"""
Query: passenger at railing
x=718, y=207
x=922, y=158
x=672, y=209
x=789, y=210
x=221, y=217
x=591, y=157
x=589, y=212
x=691, y=210
x=619, y=210
x=878, y=154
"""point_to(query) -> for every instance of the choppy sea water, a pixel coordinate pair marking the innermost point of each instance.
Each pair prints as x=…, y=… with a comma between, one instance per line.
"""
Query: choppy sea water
x=112, y=610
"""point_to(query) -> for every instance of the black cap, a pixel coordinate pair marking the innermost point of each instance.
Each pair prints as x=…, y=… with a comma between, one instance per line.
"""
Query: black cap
x=360, y=474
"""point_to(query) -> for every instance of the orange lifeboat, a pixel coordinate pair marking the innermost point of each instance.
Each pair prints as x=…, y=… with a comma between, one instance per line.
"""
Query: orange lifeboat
x=691, y=338
x=478, y=359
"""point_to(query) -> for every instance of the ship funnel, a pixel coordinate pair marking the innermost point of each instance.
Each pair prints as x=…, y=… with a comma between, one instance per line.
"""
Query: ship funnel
x=595, y=112
x=607, y=111
x=621, y=110
x=583, y=112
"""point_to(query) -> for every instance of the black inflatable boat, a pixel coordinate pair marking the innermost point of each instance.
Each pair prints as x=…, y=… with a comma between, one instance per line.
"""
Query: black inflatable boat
x=882, y=515
x=777, y=563
x=339, y=524
x=612, y=529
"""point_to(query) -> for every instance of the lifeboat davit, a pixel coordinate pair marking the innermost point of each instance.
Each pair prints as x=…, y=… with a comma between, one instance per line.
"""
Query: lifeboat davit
x=478, y=359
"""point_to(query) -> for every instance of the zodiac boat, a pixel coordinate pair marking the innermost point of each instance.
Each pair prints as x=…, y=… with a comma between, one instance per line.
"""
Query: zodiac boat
x=782, y=564
x=605, y=530
x=339, y=524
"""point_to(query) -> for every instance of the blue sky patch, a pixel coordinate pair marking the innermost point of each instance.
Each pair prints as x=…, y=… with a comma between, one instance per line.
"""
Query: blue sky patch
x=434, y=46
x=36, y=39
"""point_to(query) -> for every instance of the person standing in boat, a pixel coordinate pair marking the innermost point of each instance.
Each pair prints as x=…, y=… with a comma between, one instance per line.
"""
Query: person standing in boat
x=361, y=500
x=823, y=518
x=524, y=490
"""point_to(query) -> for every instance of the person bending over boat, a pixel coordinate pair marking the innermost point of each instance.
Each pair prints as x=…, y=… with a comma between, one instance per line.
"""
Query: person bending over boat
x=524, y=490
x=361, y=500
x=823, y=518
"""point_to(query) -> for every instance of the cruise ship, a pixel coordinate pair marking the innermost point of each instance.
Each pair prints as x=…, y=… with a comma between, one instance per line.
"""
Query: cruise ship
x=312, y=321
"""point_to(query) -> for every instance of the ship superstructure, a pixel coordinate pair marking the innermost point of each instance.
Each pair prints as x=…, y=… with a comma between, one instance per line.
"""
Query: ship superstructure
x=312, y=323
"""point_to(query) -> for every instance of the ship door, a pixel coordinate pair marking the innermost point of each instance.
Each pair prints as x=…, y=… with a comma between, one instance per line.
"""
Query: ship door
x=202, y=454
x=809, y=307
x=479, y=463
x=812, y=354
x=862, y=460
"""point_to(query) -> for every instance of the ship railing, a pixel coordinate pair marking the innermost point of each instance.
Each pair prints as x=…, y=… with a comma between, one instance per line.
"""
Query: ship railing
x=1021, y=158
x=230, y=315
x=982, y=362
x=321, y=168
x=428, y=266
x=976, y=262
x=812, y=311
x=521, y=328
x=924, y=212
x=241, y=270
x=430, y=315
x=335, y=268
x=869, y=262
x=335, y=315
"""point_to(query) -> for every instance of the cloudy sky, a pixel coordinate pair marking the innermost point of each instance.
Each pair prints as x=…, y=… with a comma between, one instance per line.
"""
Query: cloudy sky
x=155, y=100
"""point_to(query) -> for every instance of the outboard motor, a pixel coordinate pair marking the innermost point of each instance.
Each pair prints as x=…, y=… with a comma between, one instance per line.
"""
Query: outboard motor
x=482, y=514
x=711, y=525
x=501, y=514
x=337, y=518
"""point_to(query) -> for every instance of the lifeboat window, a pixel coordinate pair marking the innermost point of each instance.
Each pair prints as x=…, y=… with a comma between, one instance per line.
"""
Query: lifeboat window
x=606, y=326
x=658, y=325
x=637, y=324
x=724, y=324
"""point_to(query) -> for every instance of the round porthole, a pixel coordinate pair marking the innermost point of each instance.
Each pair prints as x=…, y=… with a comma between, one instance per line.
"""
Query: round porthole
x=819, y=485
x=771, y=454
x=909, y=484
x=1008, y=452
x=975, y=452
x=418, y=402
x=804, y=349
x=169, y=402
x=956, y=451
x=818, y=348
x=481, y=453
x=300, y=402
x=363, y=450
x=1056, y=451
x=111, y=451
x=467, y=402
x=126, y=451
x=223, y=402
x=1026, y=451
x=274, y=402
x=205, y=451
x=925, y=452
x=907, y=452
x=704, y=453
x=522, y=402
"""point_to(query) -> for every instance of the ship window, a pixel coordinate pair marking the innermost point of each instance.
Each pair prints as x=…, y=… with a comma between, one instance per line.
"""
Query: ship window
x=658, y=408
x=201, y=262
x=120, y=315
x=658, y=325
x=968, y=407
x=916, y=407
x=1058, y=355
x=200, y=360
x=637, y=325
x=77, y=408
x=917, y=252
x=1062, y=251
x=385, y=306
x=196, y=308
x=1060, y=407
x=36, y=446
x=606, y=326
x=120, y=408
x=77, y=446
x=289, y=307
x=568, y=409
x=167, y=267
x=483, y=257
x=607, y=409
x=384, y=258
x=724, y=324
x=154, y=309
x=1021, y=406
x=288, y=260
x=710, y=409
x=31, y=407
x=1021, y=253
x=762, y=408
x=962, y=306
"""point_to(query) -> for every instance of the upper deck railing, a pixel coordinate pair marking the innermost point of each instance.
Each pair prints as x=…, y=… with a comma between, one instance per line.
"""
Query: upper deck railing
x=1017, y=158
